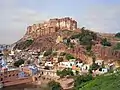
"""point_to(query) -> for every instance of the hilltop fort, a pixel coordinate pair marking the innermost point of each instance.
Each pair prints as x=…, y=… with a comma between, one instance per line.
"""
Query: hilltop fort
x=51, y=26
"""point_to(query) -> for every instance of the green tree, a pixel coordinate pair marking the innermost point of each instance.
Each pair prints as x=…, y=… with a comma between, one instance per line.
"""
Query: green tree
x=94, y=66
x=75, y=36
x=27, y=43
x=117, y=46
x=68, y=40
x=89, y=47
x=23, y=45
x=77, y=72
x=71, y=45
x=65, y=72
x=62, y=54
x=104, y=42
x=69, y=56
x=30, y=41
x=54, y=53
x=48, y=52
x=82, y=29
x=117, y=35
x=19, y=62
x=86, y=40
x=80, y=80
x=53, y=85
x=60, y=59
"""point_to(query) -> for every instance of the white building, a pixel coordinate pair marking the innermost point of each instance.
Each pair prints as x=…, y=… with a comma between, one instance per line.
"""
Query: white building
x=85, y=67
x=104, y=70
x=66, y=64
x=49, y=64
x=18, y=50
x=74, y=41
x=99, y=62
x=79, y=65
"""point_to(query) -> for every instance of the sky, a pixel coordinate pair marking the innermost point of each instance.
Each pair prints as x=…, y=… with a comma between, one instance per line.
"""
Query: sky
x=97, y=15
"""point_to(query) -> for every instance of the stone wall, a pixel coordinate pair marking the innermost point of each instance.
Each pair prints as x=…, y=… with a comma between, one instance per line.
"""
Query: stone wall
x=19, y=81
x=53, y=25
x=9, y=75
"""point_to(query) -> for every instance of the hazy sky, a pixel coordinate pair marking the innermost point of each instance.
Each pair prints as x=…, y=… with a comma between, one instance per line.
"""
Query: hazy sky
x=16, y=15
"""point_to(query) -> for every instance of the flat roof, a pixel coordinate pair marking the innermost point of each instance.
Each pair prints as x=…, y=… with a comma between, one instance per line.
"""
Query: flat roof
x=12, y=69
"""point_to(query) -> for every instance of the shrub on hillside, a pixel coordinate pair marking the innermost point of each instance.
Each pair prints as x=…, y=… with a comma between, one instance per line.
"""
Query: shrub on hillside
x=104, y=42
x=19, y=62
x=62, y=54
x=94, y=66
x=60, y=59
x=80, y=80
x=65, y=72
x=117, y=35
x=54, y=53
x=53, y=85
x=117, y=46
x=48, y=52
x=69, y=56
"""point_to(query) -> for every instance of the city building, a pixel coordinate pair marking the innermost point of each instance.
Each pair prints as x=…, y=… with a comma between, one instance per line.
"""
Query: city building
x=13, y=76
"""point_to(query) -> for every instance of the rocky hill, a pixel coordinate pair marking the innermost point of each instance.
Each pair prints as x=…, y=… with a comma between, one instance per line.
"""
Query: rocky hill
x=63, y=34
x=44, y=34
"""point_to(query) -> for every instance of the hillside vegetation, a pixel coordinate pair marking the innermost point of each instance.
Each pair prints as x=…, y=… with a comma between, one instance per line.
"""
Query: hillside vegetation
x=104, y=82
x=23, y=45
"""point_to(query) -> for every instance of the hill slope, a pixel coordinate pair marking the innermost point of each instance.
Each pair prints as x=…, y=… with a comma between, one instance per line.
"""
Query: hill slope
x=44, y=42
x=108, y=82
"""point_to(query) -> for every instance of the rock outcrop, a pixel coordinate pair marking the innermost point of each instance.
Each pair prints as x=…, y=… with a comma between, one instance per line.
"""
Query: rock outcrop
x=53, y=25
x=106, y=52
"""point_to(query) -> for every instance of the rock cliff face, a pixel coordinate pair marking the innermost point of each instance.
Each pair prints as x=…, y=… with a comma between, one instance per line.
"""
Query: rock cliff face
x=106, y=52
x=51, y=26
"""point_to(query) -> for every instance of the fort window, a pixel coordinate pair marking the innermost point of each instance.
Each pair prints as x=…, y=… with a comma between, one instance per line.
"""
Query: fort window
x=42, y=73
x=1, y=79
x=9, y=75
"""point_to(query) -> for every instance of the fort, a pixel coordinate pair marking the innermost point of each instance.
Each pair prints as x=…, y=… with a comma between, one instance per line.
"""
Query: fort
x=53, y=25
